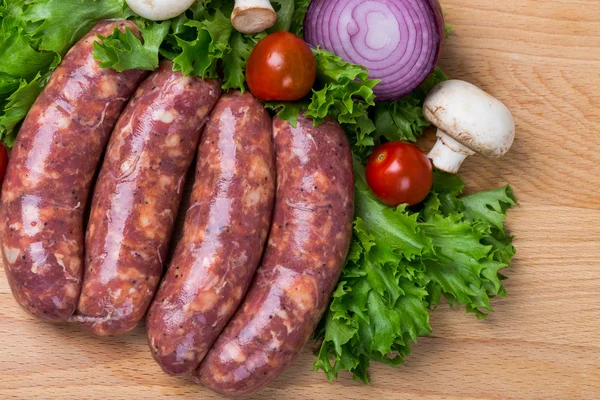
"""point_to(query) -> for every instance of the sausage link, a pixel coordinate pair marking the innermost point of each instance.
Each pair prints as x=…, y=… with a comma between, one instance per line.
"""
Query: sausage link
x=224, y=233
x=49, y=177
x=309, y=239
x=137, y=196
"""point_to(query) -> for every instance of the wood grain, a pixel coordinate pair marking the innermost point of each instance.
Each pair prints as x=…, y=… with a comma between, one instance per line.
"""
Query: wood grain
x=542, y=58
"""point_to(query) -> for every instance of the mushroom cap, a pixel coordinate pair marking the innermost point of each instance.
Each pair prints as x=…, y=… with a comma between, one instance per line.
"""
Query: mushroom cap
x=159, y=10
x=471, y=116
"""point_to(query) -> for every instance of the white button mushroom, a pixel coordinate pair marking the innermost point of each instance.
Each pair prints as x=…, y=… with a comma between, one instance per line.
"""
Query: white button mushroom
x=252, y=16
x=469, y=121
x=159, y=10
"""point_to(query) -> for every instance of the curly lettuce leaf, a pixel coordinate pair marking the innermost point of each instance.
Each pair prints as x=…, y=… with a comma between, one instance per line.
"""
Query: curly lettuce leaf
x=402, y=261
x=234, y=61
x=339, y=85
x=200, y=42
x=297, y=22
x=403, y=119
x=18, y=104
x=489, y=206
x=19, y=58
x=470, y=244
x=64, y=22
x=123, y=50
x=209, y=43
x=377, y=225
x=288, y=111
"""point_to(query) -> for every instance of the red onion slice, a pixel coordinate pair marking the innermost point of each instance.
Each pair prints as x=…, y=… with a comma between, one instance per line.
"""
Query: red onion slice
x=399, y=41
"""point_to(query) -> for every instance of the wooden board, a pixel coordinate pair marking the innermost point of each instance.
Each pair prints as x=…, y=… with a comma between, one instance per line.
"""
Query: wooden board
x=541, y=57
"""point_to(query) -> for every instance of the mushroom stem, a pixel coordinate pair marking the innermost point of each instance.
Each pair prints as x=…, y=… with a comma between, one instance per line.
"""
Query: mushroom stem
x=447, y=154
x=253, y=16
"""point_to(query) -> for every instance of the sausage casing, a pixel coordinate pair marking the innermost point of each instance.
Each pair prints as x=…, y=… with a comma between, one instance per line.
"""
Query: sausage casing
x=137, y=197
x=224, y=233
x=49, y=177
x=308, y=243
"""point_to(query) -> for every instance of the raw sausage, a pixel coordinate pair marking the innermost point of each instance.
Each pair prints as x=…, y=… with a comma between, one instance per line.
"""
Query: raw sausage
x=224, y=233
x=49, y=177
x=225, y=229
x=137, y=196
x=309, y=239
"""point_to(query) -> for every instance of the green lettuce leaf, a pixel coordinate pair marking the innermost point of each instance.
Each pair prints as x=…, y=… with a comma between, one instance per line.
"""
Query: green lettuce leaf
x=285, y=12
x=287, y=110
x=123, y=50
x=489, y=206
x=200, y=42
x=18, y=104
x=19, y=58
x=209, y=43
x=377, y=226
x=61, y=23
x=297, y=22
x=402, y=261
x=234, y=61
x=343, y=90
x=403, y=119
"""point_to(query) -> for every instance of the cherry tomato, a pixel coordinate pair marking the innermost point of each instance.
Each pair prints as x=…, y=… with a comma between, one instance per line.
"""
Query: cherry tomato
x=3, y=161
x=281, y=67
x=399, y=173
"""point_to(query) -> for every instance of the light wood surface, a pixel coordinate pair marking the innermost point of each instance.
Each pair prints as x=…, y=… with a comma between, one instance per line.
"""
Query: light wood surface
x=542, y=58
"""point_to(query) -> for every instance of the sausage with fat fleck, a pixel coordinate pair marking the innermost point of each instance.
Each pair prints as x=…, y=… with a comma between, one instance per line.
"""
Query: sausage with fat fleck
x=225, y=229
x=309, y=239
x=49, y=177
x=137, y=196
